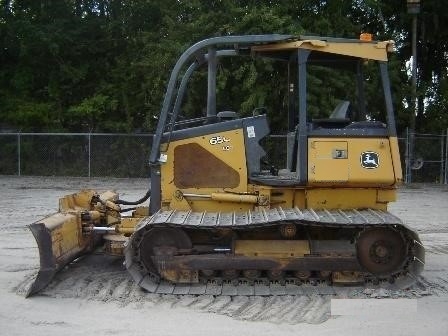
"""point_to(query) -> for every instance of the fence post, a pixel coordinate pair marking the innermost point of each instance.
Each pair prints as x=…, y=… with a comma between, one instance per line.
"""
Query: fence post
x=446, y=157
x=18, y=155
x=90, y=150
x=407, y=157
x=442, y=158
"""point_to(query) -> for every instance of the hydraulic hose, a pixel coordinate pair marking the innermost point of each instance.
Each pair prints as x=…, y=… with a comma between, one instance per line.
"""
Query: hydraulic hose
x=141, y=200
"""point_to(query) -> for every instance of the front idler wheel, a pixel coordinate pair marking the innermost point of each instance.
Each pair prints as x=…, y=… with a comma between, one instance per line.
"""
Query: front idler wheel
x=159, y=242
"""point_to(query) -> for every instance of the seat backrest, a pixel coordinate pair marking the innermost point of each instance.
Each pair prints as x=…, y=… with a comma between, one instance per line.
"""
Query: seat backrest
x=340, y=111
x=227, y=115
x=291, y=150
x=255, y=129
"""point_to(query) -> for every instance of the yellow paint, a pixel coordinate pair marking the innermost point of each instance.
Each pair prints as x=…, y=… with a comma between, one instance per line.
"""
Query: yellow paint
x=65, y=233
x=274, y=196
x=128, y=222
x=234, y=198
x=210, y=205
x=365, y=50
x=395, y=151
x=300, y=198
x=386, y=195
x=272, y=248
x=343, y=198
x=325, y=164
x=141, y=211
x=79, y=200
x=337, y=179
x=232, y=152
x=325, y=168
x=66, y=228
x=179, y=202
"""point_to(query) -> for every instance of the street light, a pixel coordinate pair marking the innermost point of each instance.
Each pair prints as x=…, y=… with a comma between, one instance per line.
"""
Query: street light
x=414, y=10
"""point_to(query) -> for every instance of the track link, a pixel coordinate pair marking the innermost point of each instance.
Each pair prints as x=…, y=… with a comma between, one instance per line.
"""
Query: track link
x=359, y=219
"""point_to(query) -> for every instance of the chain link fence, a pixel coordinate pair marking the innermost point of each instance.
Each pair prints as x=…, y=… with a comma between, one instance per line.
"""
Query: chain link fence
x=75, y=154
x=424, y=156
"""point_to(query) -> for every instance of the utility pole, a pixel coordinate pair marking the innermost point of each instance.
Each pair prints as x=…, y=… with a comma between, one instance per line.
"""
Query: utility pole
x=414, y=10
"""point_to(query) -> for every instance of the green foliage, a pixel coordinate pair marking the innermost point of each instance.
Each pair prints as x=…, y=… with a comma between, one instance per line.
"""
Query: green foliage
x=91, y=111
x=103, y=65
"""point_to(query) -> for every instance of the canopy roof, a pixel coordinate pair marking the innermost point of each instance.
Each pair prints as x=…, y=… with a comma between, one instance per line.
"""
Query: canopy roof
x=351, y=48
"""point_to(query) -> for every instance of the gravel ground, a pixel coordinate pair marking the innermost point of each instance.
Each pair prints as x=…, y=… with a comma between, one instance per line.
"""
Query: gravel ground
x=95, y=294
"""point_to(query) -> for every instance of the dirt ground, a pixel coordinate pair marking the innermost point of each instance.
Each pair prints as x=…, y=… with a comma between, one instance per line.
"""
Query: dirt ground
x=96, y=296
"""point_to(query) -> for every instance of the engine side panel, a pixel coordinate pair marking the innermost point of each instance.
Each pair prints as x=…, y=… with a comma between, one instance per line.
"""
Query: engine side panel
x=350, y=161
x=205, y=164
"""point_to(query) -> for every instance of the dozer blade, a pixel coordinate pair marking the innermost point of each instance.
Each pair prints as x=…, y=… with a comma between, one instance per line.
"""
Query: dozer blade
x=60, y=240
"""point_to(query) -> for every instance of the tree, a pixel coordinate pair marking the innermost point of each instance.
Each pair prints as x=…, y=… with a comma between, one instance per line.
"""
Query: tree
x=103, y=65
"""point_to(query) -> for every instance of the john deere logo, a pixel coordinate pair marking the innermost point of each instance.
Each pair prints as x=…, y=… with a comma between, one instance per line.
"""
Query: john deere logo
x=370, y=160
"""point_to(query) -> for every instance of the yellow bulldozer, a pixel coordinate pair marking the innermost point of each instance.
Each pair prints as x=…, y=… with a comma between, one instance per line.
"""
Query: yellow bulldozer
x=215, y=215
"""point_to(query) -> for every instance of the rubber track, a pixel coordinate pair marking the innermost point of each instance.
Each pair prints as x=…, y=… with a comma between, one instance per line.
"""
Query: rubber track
x=353, y=218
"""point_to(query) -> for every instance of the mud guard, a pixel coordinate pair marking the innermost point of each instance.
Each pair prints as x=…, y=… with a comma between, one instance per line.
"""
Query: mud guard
x=60, y=241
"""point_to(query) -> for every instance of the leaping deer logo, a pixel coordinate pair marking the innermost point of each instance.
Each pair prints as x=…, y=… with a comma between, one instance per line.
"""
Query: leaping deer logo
x=370, y=160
